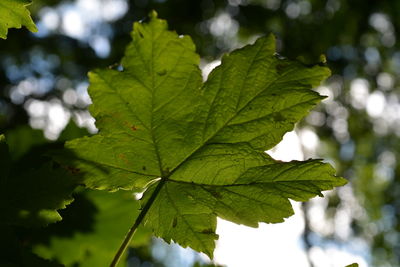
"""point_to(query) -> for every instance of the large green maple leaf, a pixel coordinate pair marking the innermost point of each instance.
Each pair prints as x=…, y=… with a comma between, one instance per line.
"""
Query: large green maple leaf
x=197, y=149
x=14, y=14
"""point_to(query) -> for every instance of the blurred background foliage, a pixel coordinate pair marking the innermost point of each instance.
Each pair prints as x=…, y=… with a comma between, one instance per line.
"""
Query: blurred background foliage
x=44, y=89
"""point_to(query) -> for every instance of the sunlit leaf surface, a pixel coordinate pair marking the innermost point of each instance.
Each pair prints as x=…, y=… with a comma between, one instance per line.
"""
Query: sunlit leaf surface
x=200, y=146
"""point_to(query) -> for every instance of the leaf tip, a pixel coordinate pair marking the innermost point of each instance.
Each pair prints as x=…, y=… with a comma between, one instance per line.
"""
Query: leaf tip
x=210, y=254
x=271, y=38
x=322, y=59
x=153, y=14
x=340, y=181
x=269, y=42
x=33, y=28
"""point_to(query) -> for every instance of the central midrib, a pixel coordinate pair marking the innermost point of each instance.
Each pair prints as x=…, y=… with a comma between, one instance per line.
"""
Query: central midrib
x=153, y=139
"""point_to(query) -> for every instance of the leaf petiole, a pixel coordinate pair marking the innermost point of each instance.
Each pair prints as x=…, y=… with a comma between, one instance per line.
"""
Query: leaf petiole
x=138, y=221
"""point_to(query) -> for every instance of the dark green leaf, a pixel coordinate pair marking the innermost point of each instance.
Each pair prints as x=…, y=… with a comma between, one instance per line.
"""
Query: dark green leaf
x=99, y=222
x=30, y=196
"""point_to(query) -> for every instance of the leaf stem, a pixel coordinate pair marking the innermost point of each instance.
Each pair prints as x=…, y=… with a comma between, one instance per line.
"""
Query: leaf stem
x=136, y=224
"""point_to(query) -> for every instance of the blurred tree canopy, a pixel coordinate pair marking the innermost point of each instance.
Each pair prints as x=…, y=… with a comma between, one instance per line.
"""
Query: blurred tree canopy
x=43, y=86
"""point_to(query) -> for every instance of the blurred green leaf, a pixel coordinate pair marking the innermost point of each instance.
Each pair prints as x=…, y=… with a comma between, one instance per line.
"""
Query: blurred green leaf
x=23, y=138
x=92, y=229
x=31, y=196
x=14, y=14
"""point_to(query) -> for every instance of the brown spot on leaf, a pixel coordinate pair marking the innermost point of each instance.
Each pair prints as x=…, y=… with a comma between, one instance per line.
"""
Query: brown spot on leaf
x=123, y=157
x=278, y=117
x=133, y=128
x=73, y=170
x=215, y=193
x=280, y=68
x=207, y=231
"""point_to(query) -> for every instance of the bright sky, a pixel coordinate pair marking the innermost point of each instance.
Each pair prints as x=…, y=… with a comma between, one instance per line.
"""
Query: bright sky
x=268, y=245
